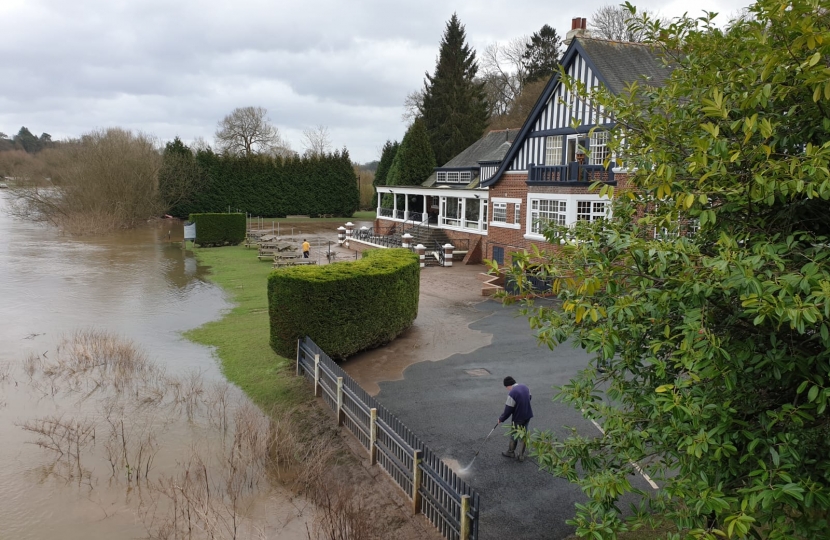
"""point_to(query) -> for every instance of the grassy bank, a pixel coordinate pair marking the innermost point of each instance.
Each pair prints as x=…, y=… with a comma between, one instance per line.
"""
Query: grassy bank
x=363, y=216
x=241, y=336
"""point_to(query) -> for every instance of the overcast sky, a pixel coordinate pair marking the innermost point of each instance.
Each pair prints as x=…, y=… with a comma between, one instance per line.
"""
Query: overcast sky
x=176, y=67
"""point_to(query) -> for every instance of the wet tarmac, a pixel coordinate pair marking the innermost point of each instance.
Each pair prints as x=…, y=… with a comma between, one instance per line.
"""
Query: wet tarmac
x=442, y=328
x=452, y=404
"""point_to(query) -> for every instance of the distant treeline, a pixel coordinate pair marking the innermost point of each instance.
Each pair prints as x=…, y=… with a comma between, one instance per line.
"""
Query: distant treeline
x=260, y=185
x=26, y=141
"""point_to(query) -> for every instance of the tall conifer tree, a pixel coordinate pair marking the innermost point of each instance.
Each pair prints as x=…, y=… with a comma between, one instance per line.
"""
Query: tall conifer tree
x=454, y=108
x=414, y=161
x=541, y=56
x=386, y=157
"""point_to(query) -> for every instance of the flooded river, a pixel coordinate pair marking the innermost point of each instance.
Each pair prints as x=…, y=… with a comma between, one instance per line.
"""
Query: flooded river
x=105, y=410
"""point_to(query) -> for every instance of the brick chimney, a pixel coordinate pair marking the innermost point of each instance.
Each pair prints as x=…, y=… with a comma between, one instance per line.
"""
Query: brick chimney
x=579, y=28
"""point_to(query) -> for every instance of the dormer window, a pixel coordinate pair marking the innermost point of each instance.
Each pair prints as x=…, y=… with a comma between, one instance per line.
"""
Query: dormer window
x=454, y=177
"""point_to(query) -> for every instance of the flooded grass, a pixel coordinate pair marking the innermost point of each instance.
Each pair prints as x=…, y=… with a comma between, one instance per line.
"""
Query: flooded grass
x=241, y=336
x=119, y=413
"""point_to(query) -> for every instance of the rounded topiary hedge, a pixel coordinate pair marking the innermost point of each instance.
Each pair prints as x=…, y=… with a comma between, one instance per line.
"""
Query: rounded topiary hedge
x=219, y=229
x=344, y=307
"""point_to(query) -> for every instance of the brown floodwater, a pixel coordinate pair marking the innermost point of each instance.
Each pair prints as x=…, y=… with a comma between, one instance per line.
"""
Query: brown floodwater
x=131, y=289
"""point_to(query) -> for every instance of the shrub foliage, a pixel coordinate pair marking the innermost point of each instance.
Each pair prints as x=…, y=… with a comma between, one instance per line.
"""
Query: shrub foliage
x=344, y=307
x=711, y=351
x=219, y=229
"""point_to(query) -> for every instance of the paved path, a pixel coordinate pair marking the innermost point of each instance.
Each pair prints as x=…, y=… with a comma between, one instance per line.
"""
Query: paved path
x=452, y=411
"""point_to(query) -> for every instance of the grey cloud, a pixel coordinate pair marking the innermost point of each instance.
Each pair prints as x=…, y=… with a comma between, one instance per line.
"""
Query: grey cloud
x=175, y=67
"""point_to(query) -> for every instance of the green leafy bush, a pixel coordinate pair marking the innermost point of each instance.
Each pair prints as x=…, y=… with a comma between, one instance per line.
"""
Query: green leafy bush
x=344, y=307
x=219, y=229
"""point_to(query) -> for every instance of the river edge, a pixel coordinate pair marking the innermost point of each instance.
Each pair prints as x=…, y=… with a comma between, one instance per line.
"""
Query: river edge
x=240, y=340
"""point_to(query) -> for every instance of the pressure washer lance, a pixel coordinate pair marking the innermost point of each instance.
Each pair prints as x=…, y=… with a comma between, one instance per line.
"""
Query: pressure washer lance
x=467, y=468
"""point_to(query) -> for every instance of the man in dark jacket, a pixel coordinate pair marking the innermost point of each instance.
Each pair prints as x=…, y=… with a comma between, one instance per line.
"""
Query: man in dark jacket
x=517, y=406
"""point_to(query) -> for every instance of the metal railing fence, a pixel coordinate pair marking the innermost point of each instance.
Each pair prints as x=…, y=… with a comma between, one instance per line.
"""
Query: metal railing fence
x=433, y=488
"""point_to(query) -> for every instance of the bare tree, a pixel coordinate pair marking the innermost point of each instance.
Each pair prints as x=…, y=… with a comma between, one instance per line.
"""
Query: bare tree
x=200, y=145
x=412, y=105
x=503, y=74
x=316, y=141
x=107, y=179
x=614, y=23
x=247, y=131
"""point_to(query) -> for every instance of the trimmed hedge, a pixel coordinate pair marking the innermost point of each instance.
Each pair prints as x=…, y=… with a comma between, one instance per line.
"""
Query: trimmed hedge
x=273, y=187
x=344, y=307
x=219, y=229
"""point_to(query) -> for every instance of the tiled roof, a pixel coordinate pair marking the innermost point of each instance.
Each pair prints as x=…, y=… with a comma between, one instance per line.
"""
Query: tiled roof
x=621, y=63
x=482, y=149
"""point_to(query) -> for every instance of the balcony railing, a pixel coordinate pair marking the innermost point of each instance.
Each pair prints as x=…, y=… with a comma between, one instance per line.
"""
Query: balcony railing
x=572, y=172
x=385, y=212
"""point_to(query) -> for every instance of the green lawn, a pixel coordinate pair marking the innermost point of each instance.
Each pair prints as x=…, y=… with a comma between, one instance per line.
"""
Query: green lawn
x=241, y=336
x=363, y=216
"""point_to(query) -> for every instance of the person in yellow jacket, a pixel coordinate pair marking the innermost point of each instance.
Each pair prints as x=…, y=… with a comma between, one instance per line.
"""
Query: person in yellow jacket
x=306, y=248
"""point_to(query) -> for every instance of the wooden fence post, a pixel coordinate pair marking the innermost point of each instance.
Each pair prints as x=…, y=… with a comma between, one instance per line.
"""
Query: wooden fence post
x=465, y=519
x=316, y=375
x=299, y=352
x=339, y=401
x=373, y=436
x=416, y=481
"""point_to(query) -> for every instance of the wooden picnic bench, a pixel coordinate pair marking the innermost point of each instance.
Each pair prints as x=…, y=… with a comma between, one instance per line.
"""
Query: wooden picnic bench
x=279, y=263
x=278, y=246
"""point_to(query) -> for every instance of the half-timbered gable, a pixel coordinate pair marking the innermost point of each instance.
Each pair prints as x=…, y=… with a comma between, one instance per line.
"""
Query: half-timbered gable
x=562, y=148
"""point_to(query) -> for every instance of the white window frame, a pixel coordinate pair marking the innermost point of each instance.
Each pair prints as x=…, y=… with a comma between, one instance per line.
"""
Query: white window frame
x=595, y=210
x=499, y=212
x=692, y=227
x=452, y=177
x=555, y=210
x=503, y=202
x=466, y=176
x=553, y=149
x=517, y=213
x=441, y=176
x=599, y=147
x=572, y=200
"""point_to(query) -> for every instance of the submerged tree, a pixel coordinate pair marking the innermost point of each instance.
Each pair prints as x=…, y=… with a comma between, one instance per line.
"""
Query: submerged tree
x=454, y=107
x=108, y=179
x=705, y=301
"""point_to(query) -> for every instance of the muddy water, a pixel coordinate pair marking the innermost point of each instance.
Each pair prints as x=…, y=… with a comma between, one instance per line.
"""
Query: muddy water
x=140, y=287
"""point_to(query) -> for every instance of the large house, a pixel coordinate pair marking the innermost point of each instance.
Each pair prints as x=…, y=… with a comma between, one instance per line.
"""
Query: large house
x=497, y=194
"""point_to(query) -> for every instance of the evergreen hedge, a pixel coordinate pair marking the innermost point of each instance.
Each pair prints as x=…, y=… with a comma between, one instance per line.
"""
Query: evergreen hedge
x=219, y=229
x=273, y=186
x=344, y=307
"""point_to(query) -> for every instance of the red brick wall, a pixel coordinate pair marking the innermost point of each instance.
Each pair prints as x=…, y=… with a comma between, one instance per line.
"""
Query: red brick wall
x=514, y=186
